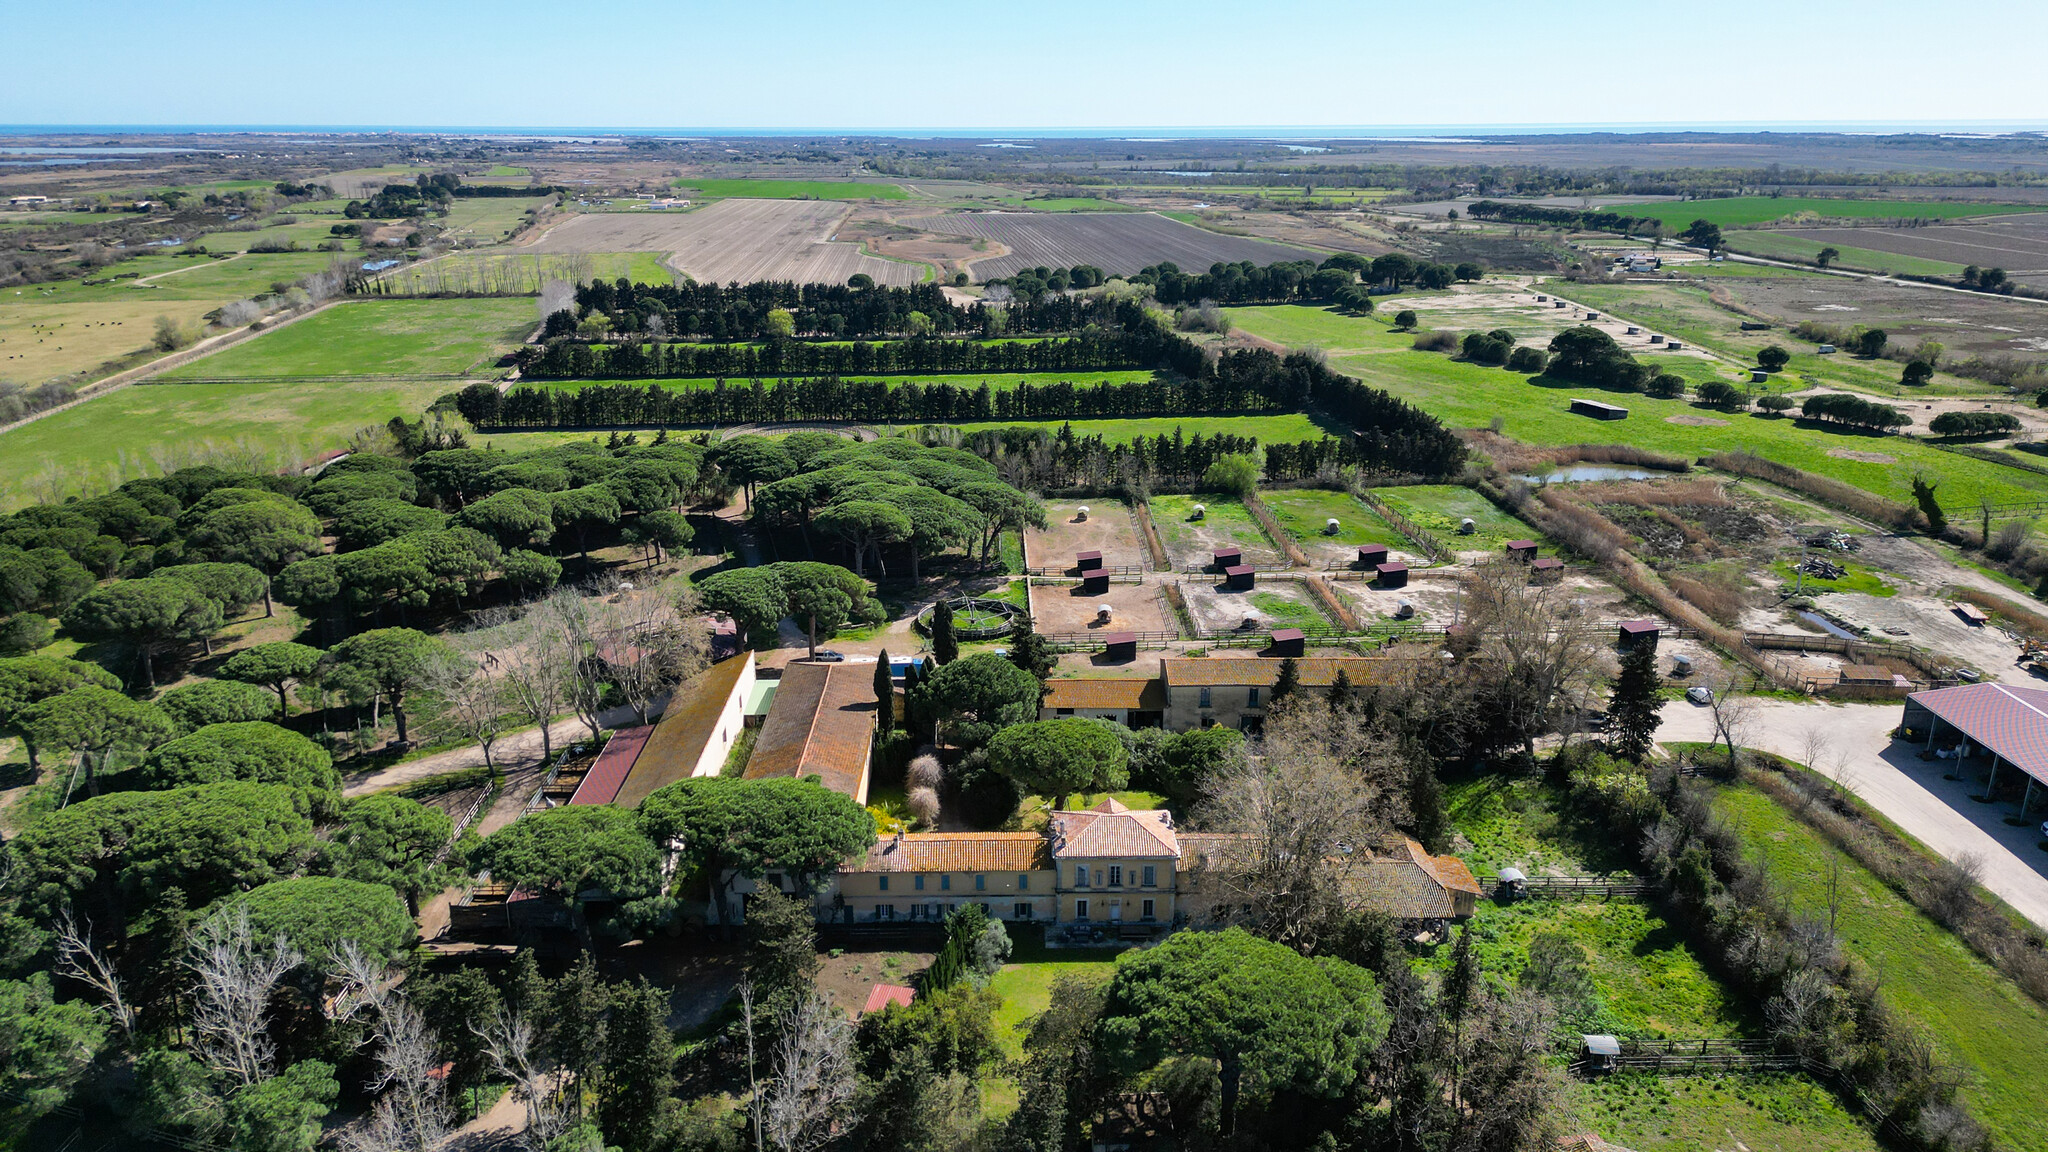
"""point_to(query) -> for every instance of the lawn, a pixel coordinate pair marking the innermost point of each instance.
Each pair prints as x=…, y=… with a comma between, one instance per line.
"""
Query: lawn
x=1762, y=1112
x=1290, y=611
x=375, y=338
x=1441, y=507
x=1777, y=245
x=791, y=189
x=1735, y=211
x=1535, y=410
x=1223, y=518
x=1025, y=984
x=1969, y=1011
x=1067, y=204
x=1303, y=512
x=142, y=429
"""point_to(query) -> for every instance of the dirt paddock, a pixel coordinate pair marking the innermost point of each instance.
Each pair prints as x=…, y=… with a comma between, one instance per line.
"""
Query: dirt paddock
x=1133, y=608
x=1109, y=530
x=1272, y=604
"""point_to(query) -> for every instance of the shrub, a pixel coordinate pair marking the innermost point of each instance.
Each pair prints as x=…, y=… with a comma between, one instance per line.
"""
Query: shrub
x=1405, y=320
x=1973, y=423
x=925, y=772
x=1721, y=394
x=924, y=805
x=1666, y=386
x=1436, y=341
x=1482, y=348
x=1529, y=360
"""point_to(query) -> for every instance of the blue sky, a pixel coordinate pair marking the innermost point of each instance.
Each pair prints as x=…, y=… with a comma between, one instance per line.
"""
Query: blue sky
x=1043, y=63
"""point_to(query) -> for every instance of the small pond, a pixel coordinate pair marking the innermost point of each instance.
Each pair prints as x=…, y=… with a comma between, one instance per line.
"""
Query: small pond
x=1579, y=472
x=1828, y=626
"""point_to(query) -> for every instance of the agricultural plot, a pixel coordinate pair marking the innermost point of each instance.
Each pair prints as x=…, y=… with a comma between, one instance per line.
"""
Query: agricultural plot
x=486, y=219
x=1738, y=211
x=512, y=271
x=1536, y=411
x=711, y=188
x=735, y=240
x=1442, y=508
x=2018, y=244
x=1306, y=513
x=1109, y=529
x=1969, y=1011
x=374, y=338
x=1224, y=523
x=146, y=429
x=1273, y=603
x=1773, y=245
x=1064, y=608
x=1116, y=242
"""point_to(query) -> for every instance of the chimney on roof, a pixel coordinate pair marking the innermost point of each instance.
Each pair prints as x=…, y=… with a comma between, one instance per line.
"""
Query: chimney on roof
x=899, y=839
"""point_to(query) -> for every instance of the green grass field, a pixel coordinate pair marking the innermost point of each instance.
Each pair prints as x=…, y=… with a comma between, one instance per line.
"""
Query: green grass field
x=132, y=432
x=1441, y=507
x=1303, y=511
x=1734, y=211
x=1224, y=517
x=1762, y=1112
x=1779, y=246
x=1067, y=204
x=1536, y=411
x=1969, y=1011
x=486, y=218
x=791, y=189
x=502, y=270
x=375, y=338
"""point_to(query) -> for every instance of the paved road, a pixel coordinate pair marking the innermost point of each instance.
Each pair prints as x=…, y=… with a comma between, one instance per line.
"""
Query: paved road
x=1891, y=778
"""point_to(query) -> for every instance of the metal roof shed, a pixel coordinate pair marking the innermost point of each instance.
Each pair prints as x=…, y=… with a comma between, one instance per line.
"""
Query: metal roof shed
x=2009, y=721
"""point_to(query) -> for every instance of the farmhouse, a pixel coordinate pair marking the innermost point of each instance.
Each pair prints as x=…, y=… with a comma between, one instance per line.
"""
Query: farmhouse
x=2006, y=723
x=822, y=724
x=1201, y=693
x=1133, y=701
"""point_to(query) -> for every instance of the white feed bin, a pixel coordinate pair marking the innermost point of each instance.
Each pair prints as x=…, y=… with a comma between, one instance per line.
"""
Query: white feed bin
x=1330, y=526
x=1102, y=611
x=1081, y=513
x=1467, y=527
x=1198, y=512
x=1403, y=610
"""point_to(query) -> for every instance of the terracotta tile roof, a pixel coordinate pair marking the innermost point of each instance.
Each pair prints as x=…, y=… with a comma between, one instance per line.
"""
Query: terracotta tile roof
x=2011, y=721
x=1207, y=849
x=958, y=852
x=1109, y=830
x=678, y=741
x=822, y=723
x=1407, y=882
x=1316, y=671
x=1143, y=694
x=1455, y=875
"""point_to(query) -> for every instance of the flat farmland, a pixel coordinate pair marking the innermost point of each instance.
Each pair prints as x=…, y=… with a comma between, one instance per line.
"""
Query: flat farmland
x=1775, y=245
x=512, y=270
x=1119, y=243
x=735, y=240
x=1735, y=211
x=2018, y=244
x=487, y=218
x=1109, y=529
x=374, y=338
x=743, y=188
x=148, y=428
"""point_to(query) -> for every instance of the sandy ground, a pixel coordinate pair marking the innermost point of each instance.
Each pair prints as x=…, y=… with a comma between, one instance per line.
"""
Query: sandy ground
x=1909, y=791
x=1215, y=607
x=1119, y=243
x=1470, y=308
x=743, y=240
x=1134, y=607
x=1109, y=529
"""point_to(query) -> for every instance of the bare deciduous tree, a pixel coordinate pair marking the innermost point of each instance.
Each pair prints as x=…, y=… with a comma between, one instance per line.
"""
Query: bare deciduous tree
x=535, y=663
x=80, y=959
x=231, y=1002
x=1542, y=654
x=1732, y=714
x=474, y=701
x=812, y=1093
x=649, y=644
x=511, y=1042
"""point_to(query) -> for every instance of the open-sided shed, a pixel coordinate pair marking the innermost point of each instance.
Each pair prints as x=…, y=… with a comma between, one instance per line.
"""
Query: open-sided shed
x=2007, y=721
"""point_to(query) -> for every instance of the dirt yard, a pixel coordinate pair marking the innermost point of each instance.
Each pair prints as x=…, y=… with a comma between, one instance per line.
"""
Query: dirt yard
x=1133, y=608
x=1224, y=522
x=1488, y=306
x=1272, y=604
x=1109, y=530
x=743, y=240
x=1931, y=624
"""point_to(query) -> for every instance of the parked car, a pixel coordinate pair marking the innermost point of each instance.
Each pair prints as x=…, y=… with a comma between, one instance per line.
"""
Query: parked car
x=1700, y=695
x=828, y=656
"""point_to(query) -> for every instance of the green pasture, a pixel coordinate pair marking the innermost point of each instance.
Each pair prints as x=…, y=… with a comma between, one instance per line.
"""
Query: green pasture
x=1970, y=1012
x=1761, y=1112
x=1289, y=611
x=1066, y=204
x=486, y=218
x=1536, y=411
x=1688, y=313
x=146, y=428
x=1778, y=245
x=525, y=272
x=1856, y=578
x=1440, y=508
x=501, y=170
x=1224, y=517
x=1303, y=511
x=791, y=189
x=1737, y=211
x=373, y=338
x=305, y=233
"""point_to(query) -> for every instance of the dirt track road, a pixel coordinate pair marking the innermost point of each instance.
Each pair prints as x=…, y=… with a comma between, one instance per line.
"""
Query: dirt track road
x=1891, y=778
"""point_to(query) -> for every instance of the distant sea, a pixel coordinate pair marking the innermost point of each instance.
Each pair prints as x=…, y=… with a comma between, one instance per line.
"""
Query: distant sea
x=1411, y=133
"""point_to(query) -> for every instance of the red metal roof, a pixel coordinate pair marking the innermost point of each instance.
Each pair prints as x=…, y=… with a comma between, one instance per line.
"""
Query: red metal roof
x=1394, y=567
x=1120, y=638
x=1280, y=634
x=1239, y=570
x=883, y=995
x=2010, y=721
x=1080, y=556
x=602, y=783
x=1635, y=627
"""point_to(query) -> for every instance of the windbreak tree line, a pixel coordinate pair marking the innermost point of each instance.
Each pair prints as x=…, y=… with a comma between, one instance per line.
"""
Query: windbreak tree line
x=563, y=358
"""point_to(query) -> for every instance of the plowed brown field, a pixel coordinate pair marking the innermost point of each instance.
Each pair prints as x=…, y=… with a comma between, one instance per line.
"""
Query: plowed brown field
x=743, y=240
x=1119, y=243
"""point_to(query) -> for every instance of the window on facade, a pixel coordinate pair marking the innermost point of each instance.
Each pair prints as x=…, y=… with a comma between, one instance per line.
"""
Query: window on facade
x=1022, y=911
x=1251, y=698
x=1080, y=875
x=985, y=909
x=917, y=882
x=980, y=883
x=1147, y=912
x=885, y=911
x=1063, y=711
x=945, y=883
x=1116, y=875
x=774, y=880
x=1205, y=698
x=1080, y=909
x=1023, y=882
x=882, y=883
x=1151, y=876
